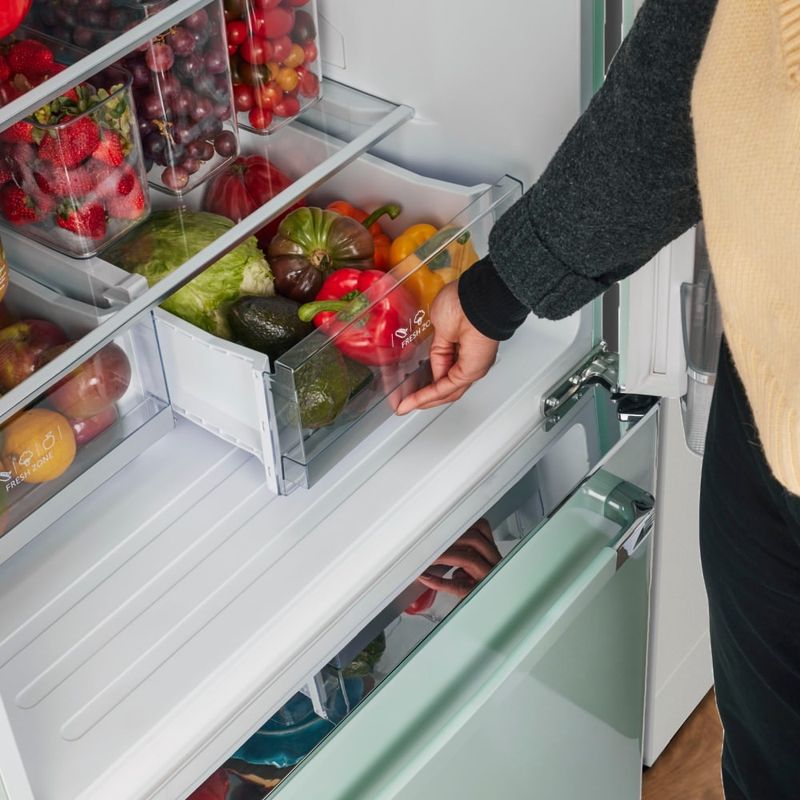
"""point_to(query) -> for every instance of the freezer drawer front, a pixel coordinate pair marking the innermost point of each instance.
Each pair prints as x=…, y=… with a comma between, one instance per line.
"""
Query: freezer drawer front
x=535, y=685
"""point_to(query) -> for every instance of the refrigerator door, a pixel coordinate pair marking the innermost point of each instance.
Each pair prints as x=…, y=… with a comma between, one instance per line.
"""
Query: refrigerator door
x=541, y=669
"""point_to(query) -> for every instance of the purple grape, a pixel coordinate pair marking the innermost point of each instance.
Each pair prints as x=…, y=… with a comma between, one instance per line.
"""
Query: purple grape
x=212, y=126
x=206, y=151
x=98, y=5
x=182, y=133
x=191, y=165
x=95, y=19
x=197, y=21
x=216, y=60
x=195, y=149
x=182, y=42
x=200, y=38
x=117, y=20
x=202, y=108
x=141, y=74
x=82, y=37
x=222, y=112
x=189, y=67
x=160, y=57
x=146, y=127
x=152, y=107
x=170, y=86
x=225, y=144
x=154, y=145
x=175, y=178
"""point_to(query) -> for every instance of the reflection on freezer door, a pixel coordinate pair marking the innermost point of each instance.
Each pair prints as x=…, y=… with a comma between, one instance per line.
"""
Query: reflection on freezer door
x=535, y=686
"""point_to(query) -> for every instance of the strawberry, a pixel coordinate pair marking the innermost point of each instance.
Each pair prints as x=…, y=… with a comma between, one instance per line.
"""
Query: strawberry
x=130, y=206
x=111, y=149
x=83, y=220
x=5, y=174
x=30, y=58
x=21, y=131
x=112, y=182
x=16, y=206
x=57, y=181
x=75, y=144
x=44, y=203
x=5, y=70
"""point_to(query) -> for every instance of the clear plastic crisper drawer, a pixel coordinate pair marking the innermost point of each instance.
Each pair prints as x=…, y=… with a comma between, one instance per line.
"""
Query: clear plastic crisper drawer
x=83, y=429
x=349, y=375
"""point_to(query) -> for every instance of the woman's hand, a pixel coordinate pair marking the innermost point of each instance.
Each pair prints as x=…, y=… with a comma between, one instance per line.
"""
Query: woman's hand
x=473, y=556
x=460, y=354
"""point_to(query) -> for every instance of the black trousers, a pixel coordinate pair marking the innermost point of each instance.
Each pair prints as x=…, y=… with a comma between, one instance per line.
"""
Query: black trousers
x=750, y=544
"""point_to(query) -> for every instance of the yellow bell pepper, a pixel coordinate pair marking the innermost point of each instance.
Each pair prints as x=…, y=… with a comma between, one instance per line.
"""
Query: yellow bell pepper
x=408, y=242
x=425, y=274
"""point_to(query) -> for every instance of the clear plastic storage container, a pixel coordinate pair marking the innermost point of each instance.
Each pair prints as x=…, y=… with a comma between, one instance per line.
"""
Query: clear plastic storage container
x=83, y=429
x=72, y=174
x=89, y=28
x=184, y=101
x=275, y=62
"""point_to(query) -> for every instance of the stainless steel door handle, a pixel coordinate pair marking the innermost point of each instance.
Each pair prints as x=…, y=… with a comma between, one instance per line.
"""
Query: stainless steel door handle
x=635, y=536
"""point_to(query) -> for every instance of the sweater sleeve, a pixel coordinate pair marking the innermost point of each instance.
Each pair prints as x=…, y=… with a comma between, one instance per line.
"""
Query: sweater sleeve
x=622, y=185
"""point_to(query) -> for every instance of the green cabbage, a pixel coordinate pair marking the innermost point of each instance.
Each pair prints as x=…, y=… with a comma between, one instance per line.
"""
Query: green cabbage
x=167, y=239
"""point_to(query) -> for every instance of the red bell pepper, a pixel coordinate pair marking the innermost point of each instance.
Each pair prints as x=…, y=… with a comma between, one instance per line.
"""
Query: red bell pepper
x=383, y=243
x=386, y=334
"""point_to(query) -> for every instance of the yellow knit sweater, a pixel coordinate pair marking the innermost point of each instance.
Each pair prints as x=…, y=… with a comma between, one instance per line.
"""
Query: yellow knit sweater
x=746, y=112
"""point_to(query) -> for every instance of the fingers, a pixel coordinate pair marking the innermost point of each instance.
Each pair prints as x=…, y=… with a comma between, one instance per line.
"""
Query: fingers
x=443, y=356
x=480, y=539
x=460, y=587
x=442, y=391
x=468, y=559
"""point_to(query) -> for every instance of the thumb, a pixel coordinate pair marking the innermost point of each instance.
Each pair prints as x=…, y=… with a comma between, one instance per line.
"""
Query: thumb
x=442, y=355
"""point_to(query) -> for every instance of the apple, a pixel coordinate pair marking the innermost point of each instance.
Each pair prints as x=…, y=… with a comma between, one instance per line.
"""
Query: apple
x=21, y=345
x=94, y=386
x=87, y=429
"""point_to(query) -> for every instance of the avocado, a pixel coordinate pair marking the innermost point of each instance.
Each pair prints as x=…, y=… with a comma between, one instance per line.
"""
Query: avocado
x=267, y=324
x=360, y=376
x=322, y=383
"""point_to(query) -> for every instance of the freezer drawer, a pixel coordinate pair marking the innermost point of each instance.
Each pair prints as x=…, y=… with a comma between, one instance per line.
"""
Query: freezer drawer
x=540, y=666
x=539, y=671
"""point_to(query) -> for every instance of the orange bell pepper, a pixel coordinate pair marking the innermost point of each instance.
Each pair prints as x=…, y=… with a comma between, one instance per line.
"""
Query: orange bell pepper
x=383, y=243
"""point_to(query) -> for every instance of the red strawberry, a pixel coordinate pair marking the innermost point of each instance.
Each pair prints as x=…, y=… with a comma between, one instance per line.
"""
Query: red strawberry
x=16, y=206
x=111, y=149
x=55, y=180
x=5, y=70
x=83, y=220
x=5, y=174
x=44, y=203
x=8, y=92
x=74, y=144
x=31, y=58
x=130, y=206
x=112, y=182
x=21, y=131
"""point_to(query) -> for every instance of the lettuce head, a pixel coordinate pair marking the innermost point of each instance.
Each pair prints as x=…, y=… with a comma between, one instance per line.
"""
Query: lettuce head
x=164, y=241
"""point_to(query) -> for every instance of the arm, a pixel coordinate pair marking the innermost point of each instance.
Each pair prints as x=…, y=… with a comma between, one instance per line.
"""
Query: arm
x=621, y=186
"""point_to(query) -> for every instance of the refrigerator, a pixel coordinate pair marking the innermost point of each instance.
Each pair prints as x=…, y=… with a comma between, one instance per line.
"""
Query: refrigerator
x=215, y=568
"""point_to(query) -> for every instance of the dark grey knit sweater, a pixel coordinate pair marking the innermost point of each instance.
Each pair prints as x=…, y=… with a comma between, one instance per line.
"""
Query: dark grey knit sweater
x=621, y=186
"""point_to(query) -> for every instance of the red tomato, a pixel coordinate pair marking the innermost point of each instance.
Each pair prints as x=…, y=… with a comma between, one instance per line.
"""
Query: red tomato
x=232, y=48
x=288, y=107
x=255, y=22
x=260, y=119
x=296, y=3
x=309, y=83
x=267, y=95
x=248, y=183
x=266, y=4
x=12, y=12
x=278, y=22
x=255, y=50
x=236, y=32
x=281, y=48
x=243, y=97
x=287, y=79
x=310, y=51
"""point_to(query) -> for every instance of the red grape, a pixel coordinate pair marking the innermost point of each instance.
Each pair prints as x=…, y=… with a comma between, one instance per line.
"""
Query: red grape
x=225, y=144
x=202, y=108
x=182, y=42
x=175, y=178
x=159, y=57
x=191, y=165
x=196, y=21
x=216, y=61
x=206, y=151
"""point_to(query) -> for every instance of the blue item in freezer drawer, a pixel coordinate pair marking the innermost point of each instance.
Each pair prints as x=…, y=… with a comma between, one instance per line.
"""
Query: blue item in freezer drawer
x=295, y=730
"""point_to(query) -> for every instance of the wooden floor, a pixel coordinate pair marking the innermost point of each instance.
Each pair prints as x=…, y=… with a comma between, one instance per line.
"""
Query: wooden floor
x=689, y=768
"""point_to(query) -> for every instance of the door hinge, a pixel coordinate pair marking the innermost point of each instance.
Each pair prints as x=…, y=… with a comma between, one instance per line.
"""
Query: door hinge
x=601, y=367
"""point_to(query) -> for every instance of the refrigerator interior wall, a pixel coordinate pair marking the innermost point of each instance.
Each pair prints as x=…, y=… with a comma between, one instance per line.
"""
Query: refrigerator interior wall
x=495, y=88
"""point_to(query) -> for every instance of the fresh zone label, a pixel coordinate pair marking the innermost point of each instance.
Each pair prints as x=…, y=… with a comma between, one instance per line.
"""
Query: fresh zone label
x=28, y=462
x=417, y=325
